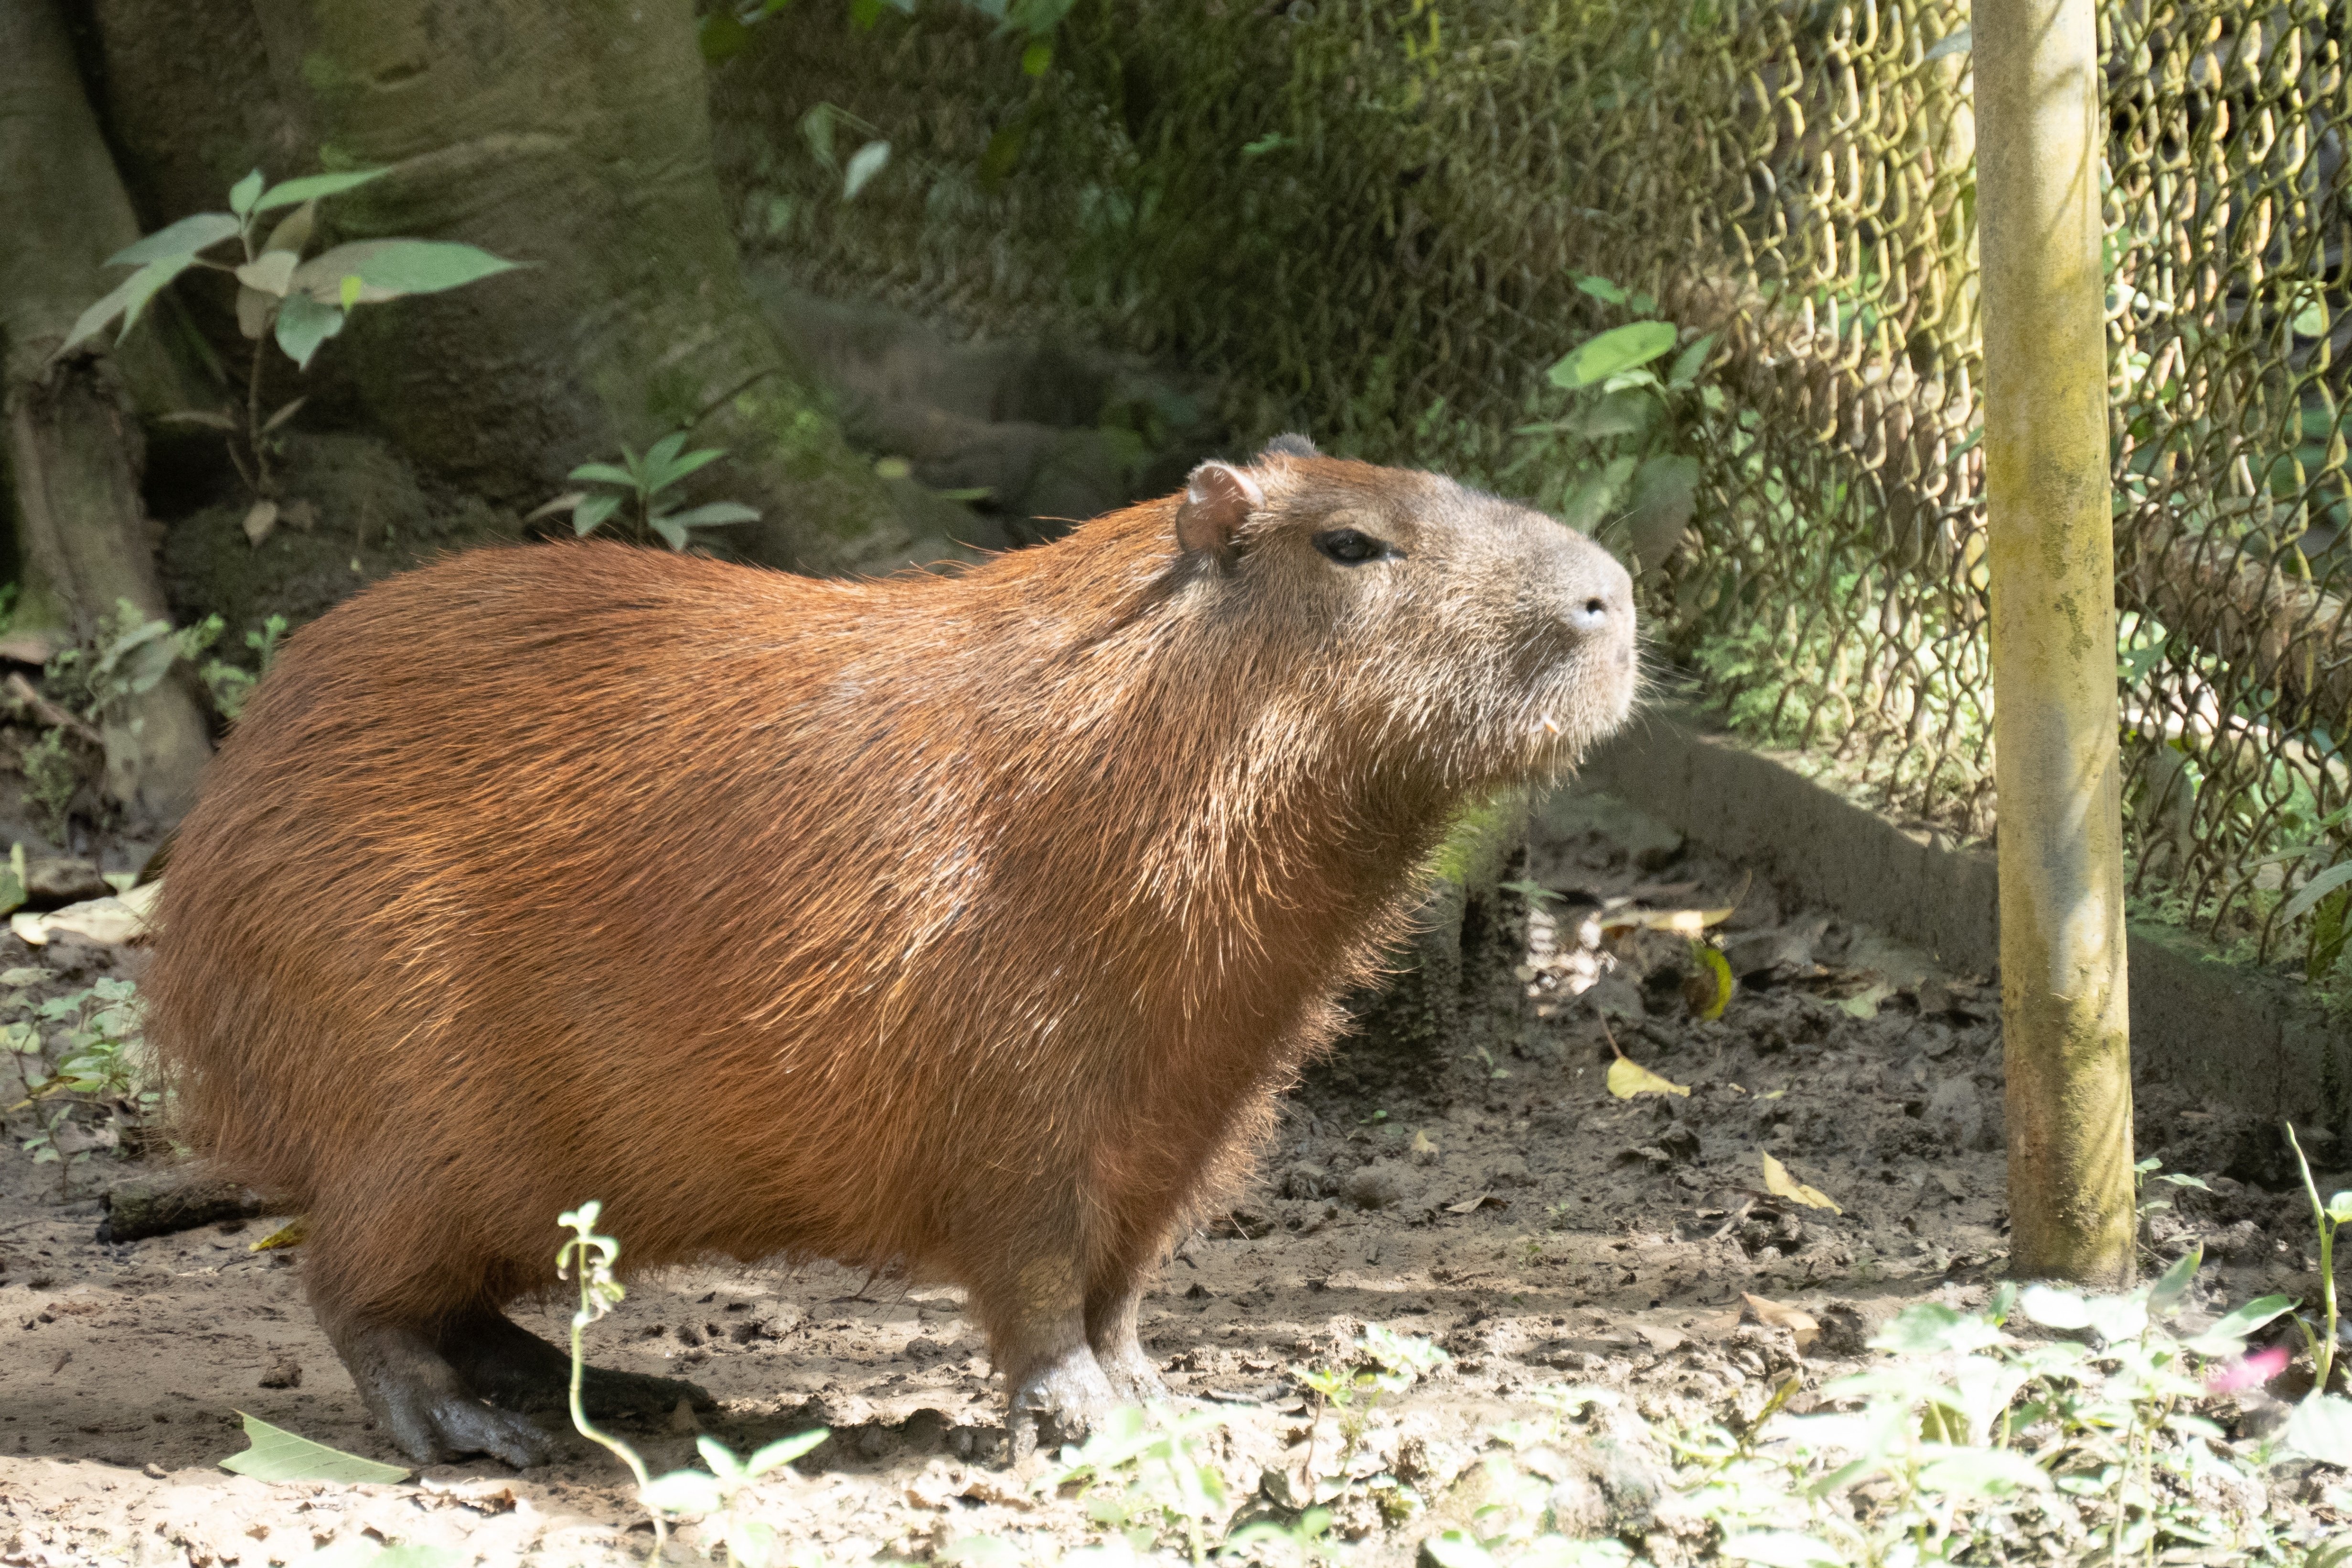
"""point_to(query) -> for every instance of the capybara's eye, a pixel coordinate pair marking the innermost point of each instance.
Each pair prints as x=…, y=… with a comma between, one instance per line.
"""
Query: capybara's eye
x=1351, y=547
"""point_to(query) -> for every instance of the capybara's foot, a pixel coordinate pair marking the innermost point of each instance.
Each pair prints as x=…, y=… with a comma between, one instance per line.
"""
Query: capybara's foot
x=1134, y=1378
x=430, y=1413
x=515, y=1369
x=1059, y=1401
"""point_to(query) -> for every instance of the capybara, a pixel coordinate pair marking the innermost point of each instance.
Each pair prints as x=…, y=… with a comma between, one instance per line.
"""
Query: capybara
x=964, y=923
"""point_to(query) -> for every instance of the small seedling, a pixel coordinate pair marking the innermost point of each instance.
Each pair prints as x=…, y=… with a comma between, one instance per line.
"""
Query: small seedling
x=2325, y=1218
x=725, y=1486
x=639, y=491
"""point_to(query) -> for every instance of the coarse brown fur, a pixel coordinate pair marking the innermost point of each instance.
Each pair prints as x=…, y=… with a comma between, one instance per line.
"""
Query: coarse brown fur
x=963, y=923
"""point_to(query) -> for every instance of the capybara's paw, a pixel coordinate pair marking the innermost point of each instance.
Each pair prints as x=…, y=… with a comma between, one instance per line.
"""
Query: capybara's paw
x=516, y=1370
x=1058, y=1402
x=1134, y=1378
x=424, y=1405
x=435, y=1429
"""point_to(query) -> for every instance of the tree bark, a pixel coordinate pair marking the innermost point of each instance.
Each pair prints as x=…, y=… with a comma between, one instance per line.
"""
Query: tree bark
x=570, y=134
x=73, y=450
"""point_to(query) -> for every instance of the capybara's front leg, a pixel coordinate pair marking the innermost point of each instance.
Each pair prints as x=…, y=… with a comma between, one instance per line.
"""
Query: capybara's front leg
x=1110, y=1329
x=430, y=1413
x=1038, y=1331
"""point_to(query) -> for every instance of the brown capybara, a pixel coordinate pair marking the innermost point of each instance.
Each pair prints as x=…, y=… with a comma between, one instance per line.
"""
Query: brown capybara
x=967, y=924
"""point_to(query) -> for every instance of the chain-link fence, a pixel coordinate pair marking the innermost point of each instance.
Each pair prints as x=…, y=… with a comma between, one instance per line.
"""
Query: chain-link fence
x=1700, y=276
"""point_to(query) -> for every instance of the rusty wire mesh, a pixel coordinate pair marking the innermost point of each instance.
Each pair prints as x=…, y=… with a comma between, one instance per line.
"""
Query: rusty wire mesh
x=1380, y=221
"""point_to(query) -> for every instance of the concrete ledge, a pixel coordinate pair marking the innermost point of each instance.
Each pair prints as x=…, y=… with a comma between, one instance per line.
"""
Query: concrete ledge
x=2236, y=1033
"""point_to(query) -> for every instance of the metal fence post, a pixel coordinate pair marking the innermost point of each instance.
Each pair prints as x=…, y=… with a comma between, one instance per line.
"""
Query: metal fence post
x=2040, y=140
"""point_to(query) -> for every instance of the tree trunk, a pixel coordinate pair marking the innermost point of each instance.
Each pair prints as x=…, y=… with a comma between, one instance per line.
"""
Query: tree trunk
x=570, y=134
x=73, y=451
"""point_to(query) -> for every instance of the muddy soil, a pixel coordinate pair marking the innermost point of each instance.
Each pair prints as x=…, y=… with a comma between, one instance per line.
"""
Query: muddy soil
x=1508, y=1207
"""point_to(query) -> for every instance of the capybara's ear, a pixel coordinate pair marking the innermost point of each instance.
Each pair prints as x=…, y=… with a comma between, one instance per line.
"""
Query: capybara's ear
x=1218, y=498
x=1291, y=445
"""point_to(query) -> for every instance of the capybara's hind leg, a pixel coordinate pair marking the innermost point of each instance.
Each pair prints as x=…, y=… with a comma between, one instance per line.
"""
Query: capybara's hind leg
x=512, y=1367
x=427, y=1408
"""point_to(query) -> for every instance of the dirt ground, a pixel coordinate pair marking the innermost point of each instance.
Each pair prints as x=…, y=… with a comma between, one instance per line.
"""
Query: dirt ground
x=1508, y=1207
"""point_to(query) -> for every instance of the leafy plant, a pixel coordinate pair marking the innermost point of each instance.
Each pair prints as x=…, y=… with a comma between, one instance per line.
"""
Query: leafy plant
x=1383, y=1363
x=101, y=1069
x=231, y=684
x=639, y=491
x=52, y=778
x=1143, y=1477
x=723, y=1488
x=281, y=296
x=1628, y=429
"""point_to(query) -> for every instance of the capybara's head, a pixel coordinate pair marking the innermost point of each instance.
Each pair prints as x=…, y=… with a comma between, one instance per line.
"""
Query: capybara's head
x=1446, y=624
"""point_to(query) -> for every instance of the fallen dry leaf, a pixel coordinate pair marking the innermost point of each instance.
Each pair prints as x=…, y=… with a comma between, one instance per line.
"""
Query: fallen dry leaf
x=1709, y=990
x=1472, y=1205
x=1781, y=1184
x=114, y=920
x=1628, y=1078
x=1777, y=1316
x=1865, y=1004
x=259, y=520
x=289, y=1234
x=1680, y=922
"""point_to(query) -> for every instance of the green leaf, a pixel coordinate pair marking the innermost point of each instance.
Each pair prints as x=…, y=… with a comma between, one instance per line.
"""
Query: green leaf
x=749, y=1541
x=312, y=187
x=242, y=194
x=347, y=293
x=816, y=130
x=1002, y=153
x=678, y=468
x=391, y=268
x=278, y=1455
x=672, y=531
x=1601, y=288
x=683, y=1492
x=864, y=165
x=303, y=324
x=127, y=299
x=1690, y=362
x=1587, y=506
x=723, y=36
x=2054, y=1308
x=1456, y=1548
x=2228, y=1333
x=590, y=514
x=604, y=474
x=784, y=1450
x=189, y=235
x=712, y=515
x=720, y=1457
x=1982, y=1472
x=2317, y=888
x=1616, y=351
x=1037, y=58
x=2321, y=1429
x=1667, y=486
x=2175, y=1281
x=1627, y=413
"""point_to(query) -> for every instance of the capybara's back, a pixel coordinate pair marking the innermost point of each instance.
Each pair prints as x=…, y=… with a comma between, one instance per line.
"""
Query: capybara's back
x=967, y=924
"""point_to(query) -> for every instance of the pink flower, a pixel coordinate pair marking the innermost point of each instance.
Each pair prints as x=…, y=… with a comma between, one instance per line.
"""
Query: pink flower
x=2248, y=1371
